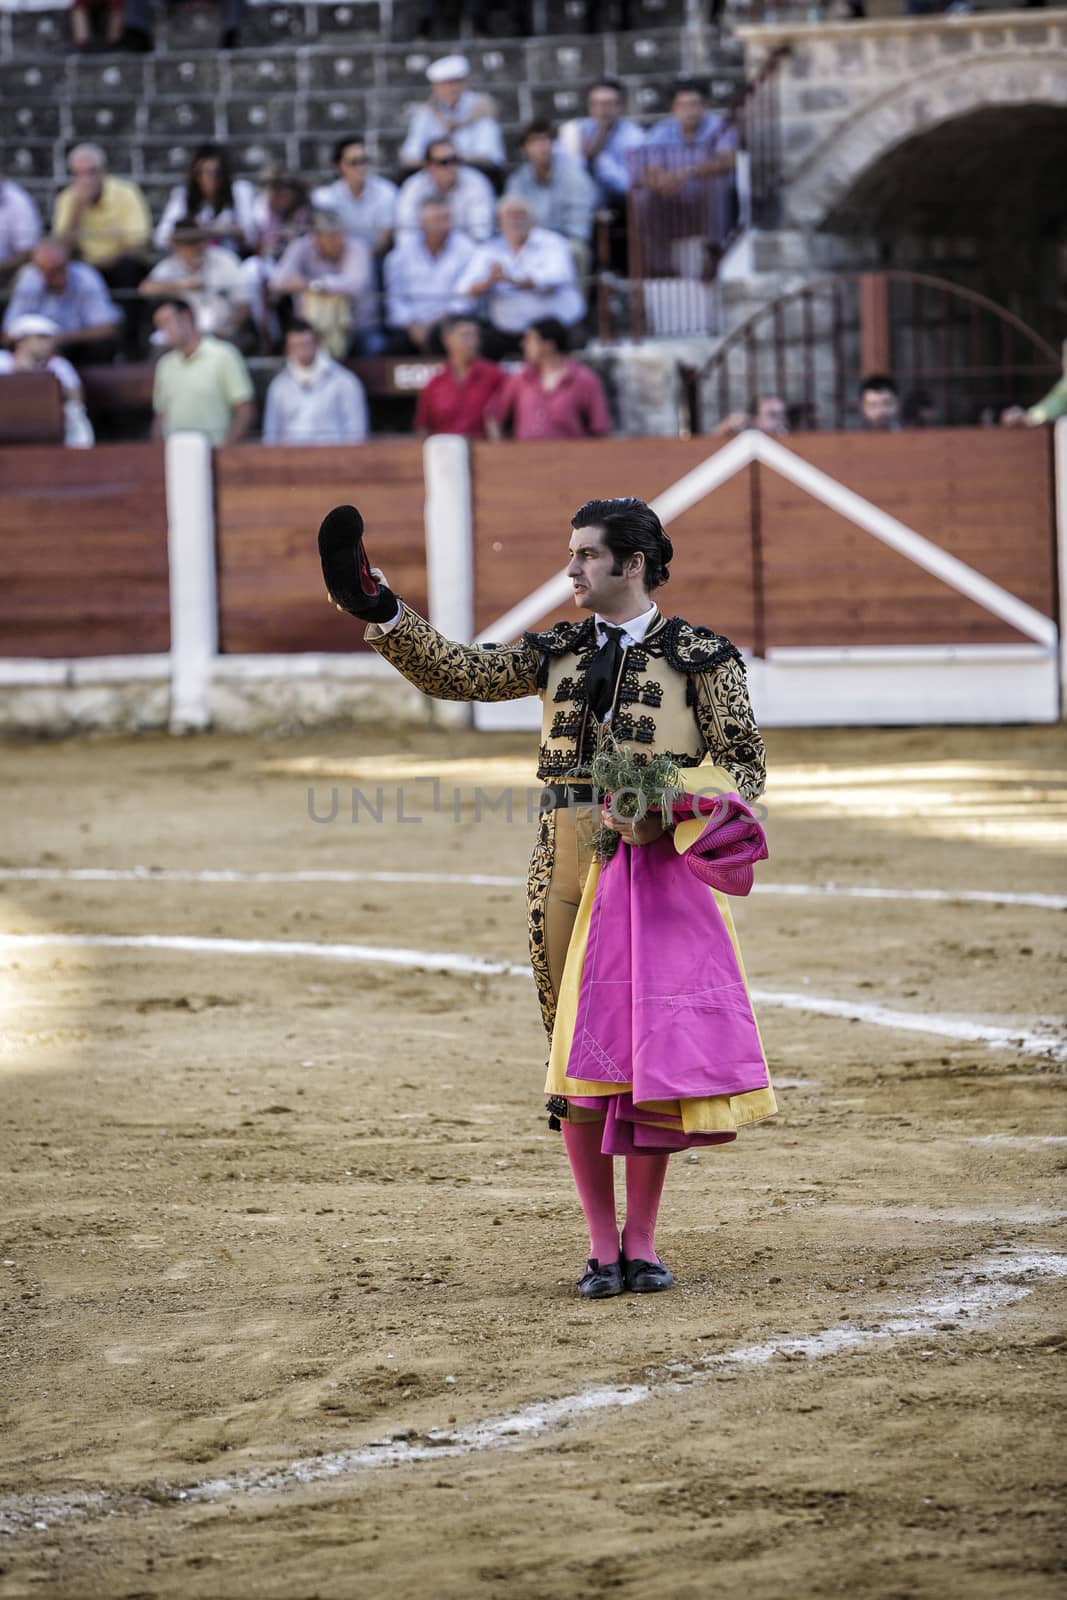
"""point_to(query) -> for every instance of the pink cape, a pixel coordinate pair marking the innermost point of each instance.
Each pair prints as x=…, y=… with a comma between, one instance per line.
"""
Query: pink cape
x=662, y=1004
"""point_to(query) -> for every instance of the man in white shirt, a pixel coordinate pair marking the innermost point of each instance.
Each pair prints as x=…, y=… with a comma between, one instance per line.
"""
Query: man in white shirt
x=454, y=111
x=313, y=400
x=524, y=273
x=421, y=275
x=364, y=200
x=467, y=192
x=20, y=227
x=209, y=278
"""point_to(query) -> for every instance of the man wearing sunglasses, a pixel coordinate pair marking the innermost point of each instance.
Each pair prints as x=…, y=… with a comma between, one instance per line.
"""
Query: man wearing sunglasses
x=444, y=177
x=364, y=201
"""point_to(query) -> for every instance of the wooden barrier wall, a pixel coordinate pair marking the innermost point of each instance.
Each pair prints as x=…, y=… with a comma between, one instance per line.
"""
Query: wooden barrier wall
x=83, y=551
x=268, y=506
x=768, y=565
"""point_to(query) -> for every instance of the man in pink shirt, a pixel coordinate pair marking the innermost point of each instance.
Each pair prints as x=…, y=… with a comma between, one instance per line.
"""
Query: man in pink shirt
x=553, y=397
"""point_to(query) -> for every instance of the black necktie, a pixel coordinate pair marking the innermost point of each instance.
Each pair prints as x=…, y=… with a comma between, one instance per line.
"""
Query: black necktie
x=602, y=673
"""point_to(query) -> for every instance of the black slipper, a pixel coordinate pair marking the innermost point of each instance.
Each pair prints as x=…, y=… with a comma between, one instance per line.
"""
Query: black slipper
x=600, y=1283
x=647, y=1277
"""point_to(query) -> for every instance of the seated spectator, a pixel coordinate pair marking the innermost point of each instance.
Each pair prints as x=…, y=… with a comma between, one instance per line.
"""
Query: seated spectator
x=211, y=196
x=331, y=280
x=524, y=273
x=364, y=201
x=34, y=342
x=421, y=275
x=457, y=399
x=74, y=296
x=202, y=384
x=1048, y=409
x=282, y=214
x=560, y=193
x=766, y=412
x=467, y=193
x=313, y=400
x=211, y=279
x=454, y=111
x=553, y=397
x=106, y=222
x=686, y=172
x=602, y=140
x=20, y=227
x=879, y=404
x=81, y=23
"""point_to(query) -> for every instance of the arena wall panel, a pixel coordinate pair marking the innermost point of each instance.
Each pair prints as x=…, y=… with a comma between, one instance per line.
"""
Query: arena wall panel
x=268, y=506
x=83, y=552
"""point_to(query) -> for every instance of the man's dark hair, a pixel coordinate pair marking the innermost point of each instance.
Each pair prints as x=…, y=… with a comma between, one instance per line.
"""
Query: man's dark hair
x=341, y=145
x=631, y=528
x=538, y=126
x=688, y=86
x=608, y=83
x=436, y=144
x=298, y=325
x=176, y=303
x=454, y=320
x=878, y=382
x=553, y=331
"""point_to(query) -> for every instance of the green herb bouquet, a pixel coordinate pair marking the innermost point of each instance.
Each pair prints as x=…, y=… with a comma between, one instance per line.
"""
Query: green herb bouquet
x=631, y=789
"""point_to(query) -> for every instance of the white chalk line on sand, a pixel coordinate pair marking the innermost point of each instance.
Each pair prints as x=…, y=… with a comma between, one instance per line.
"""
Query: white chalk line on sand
x=966, y=1029
x=491, y=880
x=979, y=1290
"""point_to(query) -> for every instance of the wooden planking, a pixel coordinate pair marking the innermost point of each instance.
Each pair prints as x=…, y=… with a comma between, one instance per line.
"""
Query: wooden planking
x=525, y=495
x=982, y=495
x=83, y=551
x=269, y=503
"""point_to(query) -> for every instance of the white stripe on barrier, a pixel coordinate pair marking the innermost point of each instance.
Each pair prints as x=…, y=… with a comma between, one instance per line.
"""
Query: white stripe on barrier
x=995, y=1035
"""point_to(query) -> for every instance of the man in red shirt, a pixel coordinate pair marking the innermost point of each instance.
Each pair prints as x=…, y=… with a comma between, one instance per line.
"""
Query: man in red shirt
x=456, y=401
x=553, y=397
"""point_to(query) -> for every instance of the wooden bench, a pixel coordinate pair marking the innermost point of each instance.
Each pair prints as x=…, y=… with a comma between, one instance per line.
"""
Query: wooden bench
x=31, y=408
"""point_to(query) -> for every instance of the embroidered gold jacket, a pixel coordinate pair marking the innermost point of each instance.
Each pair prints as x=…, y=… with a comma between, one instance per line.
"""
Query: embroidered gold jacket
x=682, y=692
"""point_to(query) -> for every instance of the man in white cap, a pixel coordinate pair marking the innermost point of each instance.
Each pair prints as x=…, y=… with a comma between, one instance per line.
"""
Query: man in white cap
x=455, y=111
x=34, y=341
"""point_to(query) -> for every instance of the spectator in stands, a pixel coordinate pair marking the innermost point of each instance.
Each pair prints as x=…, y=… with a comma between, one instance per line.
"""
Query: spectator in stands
x=331, y=279
x=560, y=193
x=457, y=399
x=210, y=278
x=74, y=296
x=81, y=23
x=364, y=201
x=467, y=193
x=685, y=170
x=879, y=404
x=454, y=111
x=282, y=214
x=523, y=273
x=1049, y=408
x=766, y=412
x=602, y=141
x=20, y=227
x=211, y=196
x=313, y=400
x=34, y=350
x=421, y=275
x=553, y=397
x=202, y=384
x=106, y=222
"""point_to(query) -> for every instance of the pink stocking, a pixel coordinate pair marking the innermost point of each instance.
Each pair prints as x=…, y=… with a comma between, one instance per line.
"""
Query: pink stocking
x=594, y=1178
x=644, y=1186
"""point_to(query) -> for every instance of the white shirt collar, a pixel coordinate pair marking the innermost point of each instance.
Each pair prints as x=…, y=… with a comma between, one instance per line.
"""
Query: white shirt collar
x=633, y=632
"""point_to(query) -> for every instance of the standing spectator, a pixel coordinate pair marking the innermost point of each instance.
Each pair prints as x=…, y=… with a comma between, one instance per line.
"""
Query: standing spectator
x=559, y=192
x=202, y=384
x=552, y=397
x=209, y=278
x=467, y=193
x=313, y=400
x=20, y=227
x=879, y=404
x=106, y=222
x=81, y=23
x=685, y=170
x=457, y=399
x=524, y=273
x=34, y=341
x=331, y=279
x=603, y=140
x=364, y=201
x=211, y=196
x=421, y=275
x=454, y=111
x=71, y=294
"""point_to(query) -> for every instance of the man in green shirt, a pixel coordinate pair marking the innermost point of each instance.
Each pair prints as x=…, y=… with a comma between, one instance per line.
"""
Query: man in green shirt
x=202, y=384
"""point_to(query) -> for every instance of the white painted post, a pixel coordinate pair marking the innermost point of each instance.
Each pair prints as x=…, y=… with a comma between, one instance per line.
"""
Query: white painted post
x=1059, y=475
x=194, y=628
x=449, y=552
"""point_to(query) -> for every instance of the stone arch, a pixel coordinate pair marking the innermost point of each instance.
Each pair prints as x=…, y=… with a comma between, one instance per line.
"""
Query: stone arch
x=915, y=106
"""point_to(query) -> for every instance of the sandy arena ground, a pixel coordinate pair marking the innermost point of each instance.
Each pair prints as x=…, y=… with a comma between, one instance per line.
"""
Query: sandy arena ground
x=266, y=1209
